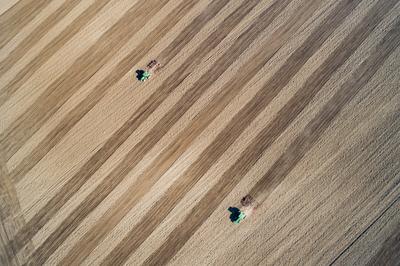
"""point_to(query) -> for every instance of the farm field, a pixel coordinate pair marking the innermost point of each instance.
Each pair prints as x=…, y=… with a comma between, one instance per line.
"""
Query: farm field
x=294, y=102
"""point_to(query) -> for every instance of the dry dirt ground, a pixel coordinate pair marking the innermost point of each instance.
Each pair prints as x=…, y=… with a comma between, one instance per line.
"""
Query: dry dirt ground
x=295, y=102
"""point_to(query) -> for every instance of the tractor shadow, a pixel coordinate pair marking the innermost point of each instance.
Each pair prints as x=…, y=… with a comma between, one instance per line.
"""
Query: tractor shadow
x=235, y=212
x=139, y=74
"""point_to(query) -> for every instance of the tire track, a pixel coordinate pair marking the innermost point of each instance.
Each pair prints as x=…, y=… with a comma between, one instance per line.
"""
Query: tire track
x=177, y=191
x=18, y=16
x=109, y=220
x=59, y=91
x=97, y=160
x=389, y=253
x=11, y=219
x=36, y=35
x=181, y=234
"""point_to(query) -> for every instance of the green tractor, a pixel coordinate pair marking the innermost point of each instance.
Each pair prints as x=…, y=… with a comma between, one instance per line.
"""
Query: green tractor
x=145, y=76
x=248, y=205
x=240, y=217
x=151, y=68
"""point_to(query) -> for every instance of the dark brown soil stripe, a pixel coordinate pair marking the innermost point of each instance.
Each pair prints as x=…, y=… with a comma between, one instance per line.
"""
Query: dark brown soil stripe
x=112, y=217
x=308, y=137
x=124, y=132
x=36, y=35
x=298, y=148
x=213, y=152
x=59, y=91
x=118, y=72
x=50, y=49
x=15, y=18
x=152, y=138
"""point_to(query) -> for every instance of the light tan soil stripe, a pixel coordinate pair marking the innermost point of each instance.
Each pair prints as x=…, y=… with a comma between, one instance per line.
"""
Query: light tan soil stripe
x=167, y=158
x=117, y=176
x=50, y=49
x=113, y=143
x=299, y=147
x=112, y=217
x=36, y=35
x=118, y=72
x=224, y=139
x=317, y=126
x=59, y=91
x=18, y=16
